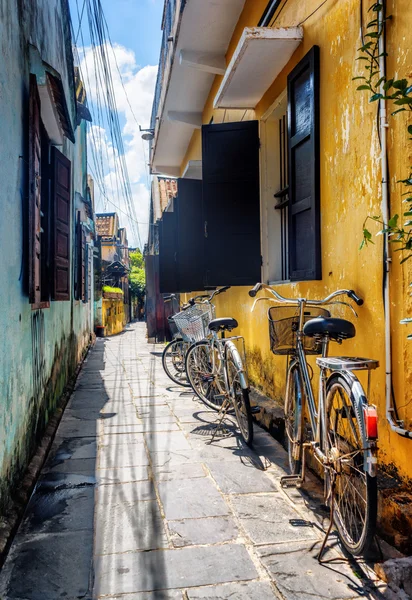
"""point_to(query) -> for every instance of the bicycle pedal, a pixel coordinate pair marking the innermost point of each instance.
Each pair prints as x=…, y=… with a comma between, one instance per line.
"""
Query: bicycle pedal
x=291, y=481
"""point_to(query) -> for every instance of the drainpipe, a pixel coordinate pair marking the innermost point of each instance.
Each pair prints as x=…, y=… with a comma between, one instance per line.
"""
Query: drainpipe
x=383, y=122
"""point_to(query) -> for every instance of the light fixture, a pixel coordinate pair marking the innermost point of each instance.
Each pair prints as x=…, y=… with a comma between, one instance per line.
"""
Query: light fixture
x=148, y=134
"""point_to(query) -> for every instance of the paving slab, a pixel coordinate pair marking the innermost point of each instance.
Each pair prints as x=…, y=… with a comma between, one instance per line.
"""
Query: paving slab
x=238, y=478
x=167, y=441
x=58, y=511
x=181, y=471
x=268, y=518
x=122, y=474
x=299, y=576
x=195, y=532
x=159, y=595
x=168, y=569
x=179, y=501
x=252, y=590
x=125, y=493
x=122, y=455
x=127, y=527
x=49, y=567
x=73, y=448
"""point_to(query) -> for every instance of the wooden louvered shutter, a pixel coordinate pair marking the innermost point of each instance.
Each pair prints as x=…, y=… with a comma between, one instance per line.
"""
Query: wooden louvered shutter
x=304, y=171
x=34, y=194
x=167, y=254
x=80, y=260
x=190, y=237
x=231, y=203
x=61, y=184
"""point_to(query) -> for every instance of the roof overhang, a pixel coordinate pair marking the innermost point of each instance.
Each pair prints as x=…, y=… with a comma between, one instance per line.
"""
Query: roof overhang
x=261, y=54
x=200, y=42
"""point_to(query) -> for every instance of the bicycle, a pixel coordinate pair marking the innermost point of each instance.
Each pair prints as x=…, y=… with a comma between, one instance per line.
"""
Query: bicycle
x=187, y=326
x=217, y=374
x=173, y=356
x=341, y=427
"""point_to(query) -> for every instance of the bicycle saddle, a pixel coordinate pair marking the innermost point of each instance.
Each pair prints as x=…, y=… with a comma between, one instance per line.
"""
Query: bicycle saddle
x=334, y=328
x=223, y=323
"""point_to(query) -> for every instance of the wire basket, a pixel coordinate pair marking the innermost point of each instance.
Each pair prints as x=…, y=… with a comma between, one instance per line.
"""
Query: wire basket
x=193, y=322
x=283, y=325
x=172, y=326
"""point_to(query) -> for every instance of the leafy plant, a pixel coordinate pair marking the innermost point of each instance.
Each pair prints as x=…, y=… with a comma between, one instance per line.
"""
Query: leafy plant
x=137, y=276
x=112, y=290
x=399, y=92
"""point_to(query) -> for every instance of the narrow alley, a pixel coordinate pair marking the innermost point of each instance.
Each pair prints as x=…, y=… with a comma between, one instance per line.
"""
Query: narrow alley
x=134, y=502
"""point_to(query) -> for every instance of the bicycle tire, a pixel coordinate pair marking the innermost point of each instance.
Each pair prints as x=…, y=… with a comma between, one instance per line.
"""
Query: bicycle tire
x=240, y=400
x=178, y=376
x=199, y=370
x=294, y=420
x=355, y=498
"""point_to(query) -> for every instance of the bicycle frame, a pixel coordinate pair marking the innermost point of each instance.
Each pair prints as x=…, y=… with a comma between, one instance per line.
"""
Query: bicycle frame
x=221, y=345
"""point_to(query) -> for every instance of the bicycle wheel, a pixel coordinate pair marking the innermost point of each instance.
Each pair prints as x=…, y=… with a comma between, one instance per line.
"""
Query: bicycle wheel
x=355, y=494
x=203, y=373
x=240, y=397
x=173, y=361
x=294, y=420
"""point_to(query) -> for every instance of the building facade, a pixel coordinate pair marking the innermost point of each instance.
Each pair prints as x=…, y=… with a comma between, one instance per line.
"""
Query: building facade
x=47, y=227
x=257, y=113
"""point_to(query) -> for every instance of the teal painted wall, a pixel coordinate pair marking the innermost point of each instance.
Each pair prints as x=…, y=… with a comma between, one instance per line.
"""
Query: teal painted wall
x=39, y=349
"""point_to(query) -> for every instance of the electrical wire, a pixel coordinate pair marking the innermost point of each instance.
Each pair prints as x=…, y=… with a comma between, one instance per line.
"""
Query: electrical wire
x=105, y=113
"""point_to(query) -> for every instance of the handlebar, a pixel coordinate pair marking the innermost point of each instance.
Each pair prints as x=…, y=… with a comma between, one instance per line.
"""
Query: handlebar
x=349, y=293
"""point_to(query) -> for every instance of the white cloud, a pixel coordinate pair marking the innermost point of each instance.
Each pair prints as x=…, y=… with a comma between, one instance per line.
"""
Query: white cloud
x=134, y=92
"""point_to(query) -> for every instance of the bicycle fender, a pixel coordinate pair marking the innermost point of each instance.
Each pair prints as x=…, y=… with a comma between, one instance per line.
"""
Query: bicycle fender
x=230, y=346
x=359, y=403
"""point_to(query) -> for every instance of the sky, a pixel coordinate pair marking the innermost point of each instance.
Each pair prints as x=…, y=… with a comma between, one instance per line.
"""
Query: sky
x=135, y=31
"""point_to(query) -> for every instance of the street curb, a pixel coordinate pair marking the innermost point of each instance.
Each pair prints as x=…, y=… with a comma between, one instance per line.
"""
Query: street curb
x=11, y=522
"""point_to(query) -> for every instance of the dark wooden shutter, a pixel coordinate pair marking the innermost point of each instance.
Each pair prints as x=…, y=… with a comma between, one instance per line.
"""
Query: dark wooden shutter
x=190, y=238
x=61, y=183
x=167, y=254
x=34, y=194
x=231, y=203
x=304, y=175
x=81, y=260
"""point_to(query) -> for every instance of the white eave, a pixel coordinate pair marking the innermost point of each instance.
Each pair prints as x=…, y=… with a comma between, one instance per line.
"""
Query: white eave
x=200, y=42
x=260, y=56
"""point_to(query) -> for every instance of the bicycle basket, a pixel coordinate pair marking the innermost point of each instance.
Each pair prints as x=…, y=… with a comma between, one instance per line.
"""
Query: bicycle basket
x=172, y=326
x=193, y=322
x=283, y=324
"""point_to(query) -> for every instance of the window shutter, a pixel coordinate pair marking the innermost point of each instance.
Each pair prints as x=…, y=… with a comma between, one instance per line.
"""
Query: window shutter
x=190, y=237
x=304, y=174
x=231, y=203
x=34, y=194
x=89, y=268
x=61, y=180
x=167, y=254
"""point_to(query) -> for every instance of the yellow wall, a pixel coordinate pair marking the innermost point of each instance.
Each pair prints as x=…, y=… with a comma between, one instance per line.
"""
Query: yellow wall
x=350, y=190
x=114, y=319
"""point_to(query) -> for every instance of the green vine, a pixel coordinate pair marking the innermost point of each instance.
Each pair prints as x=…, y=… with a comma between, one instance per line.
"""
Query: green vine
x=399, y=92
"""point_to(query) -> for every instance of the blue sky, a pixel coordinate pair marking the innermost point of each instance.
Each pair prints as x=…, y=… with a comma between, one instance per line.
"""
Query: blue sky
x=135, y=30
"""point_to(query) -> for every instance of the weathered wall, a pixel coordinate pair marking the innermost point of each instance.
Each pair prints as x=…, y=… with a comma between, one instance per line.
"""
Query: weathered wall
x=40, y=349
x=350, y=190
x=114, y=318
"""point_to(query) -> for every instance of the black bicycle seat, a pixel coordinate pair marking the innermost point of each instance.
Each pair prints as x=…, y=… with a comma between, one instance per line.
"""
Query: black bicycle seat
x=334, y=328
x=223, y=323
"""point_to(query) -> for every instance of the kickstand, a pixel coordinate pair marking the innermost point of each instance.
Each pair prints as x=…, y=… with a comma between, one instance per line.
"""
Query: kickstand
x=222, y=414
x=331, y=499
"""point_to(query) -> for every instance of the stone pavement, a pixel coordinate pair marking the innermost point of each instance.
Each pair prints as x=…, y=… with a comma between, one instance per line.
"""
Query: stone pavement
x=134, y=503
